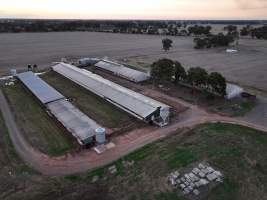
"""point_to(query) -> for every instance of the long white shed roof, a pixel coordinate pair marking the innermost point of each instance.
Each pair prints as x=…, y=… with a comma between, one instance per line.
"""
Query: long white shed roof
x=76, y=122
x=127, y=99
x=44, y=92
x=121, y=70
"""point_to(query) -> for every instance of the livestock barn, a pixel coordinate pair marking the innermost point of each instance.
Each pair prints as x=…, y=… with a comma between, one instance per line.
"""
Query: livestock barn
x=77, y=123
x=122, y=71
x=138, y=105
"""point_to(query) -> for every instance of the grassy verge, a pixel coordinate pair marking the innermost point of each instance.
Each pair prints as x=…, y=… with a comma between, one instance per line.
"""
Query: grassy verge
x=8, y=155
x=39, y=129
x=92, y=105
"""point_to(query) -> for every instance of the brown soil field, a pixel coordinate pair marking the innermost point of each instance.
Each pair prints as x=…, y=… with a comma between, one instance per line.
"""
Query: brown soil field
x=247, y=67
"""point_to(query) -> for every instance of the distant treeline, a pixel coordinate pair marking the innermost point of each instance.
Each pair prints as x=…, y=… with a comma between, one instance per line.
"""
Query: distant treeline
x=122, y=26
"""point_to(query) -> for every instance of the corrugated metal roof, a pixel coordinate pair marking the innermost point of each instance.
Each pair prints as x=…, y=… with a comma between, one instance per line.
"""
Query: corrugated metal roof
x=76, y=122
x=134, y=102
x=121, y=70
x=44, y=92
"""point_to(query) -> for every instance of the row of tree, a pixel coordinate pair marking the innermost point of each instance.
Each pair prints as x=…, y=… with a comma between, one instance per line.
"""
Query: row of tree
x=259, y=33
x=213, y=41
x=168, y=70
x=199, y=30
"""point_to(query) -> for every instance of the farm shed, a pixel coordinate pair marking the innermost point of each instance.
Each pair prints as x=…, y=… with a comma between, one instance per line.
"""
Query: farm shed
x=233, y=91
x=132, y=102
x=39, y=88
x=88, y=61
x=76, y=122
x=122, y=71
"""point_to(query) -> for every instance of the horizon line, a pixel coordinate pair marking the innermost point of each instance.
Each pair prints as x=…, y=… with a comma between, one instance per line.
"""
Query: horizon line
x=123, y=19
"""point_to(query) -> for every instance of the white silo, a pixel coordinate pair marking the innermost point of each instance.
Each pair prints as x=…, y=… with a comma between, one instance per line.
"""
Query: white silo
x=100, y=135
x=13, y=72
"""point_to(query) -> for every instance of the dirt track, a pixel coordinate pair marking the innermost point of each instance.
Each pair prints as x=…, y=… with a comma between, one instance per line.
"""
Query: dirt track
x=69, y=164
x=247, y=67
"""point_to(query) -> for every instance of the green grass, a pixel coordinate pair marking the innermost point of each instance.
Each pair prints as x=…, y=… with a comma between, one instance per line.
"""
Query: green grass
x=226, y=147
x=73, y=178
x=168, y=196
x=39, y=129
x=95, y=107
x=238, y=152
x=179, y=158
x=8, y=154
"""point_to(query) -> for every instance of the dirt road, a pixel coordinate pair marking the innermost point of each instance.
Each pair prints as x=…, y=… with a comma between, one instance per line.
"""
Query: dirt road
x=88, y=159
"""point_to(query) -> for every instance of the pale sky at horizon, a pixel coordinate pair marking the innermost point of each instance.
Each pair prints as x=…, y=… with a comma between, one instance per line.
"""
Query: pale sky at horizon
x=134, y=9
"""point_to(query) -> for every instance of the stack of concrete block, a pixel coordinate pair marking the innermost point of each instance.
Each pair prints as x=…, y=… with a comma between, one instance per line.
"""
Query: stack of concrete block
x=200, y=176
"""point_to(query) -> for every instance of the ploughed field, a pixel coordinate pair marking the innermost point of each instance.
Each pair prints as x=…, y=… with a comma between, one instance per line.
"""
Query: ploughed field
x=247, y=67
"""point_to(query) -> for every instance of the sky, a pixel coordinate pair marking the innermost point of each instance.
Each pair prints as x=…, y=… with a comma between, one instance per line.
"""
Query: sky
x=134, y=9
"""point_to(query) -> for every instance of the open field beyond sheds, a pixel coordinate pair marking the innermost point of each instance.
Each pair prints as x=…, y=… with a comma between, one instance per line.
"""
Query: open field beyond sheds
x=248, y=67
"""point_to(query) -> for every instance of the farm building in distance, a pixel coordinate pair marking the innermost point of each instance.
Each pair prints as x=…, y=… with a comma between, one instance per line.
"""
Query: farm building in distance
x=77, y=123
x=122, y=71
x=132, y=102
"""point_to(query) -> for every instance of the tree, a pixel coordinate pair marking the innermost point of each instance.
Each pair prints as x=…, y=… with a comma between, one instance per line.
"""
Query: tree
x=217, y=83
x=200, y=43
x=162, y=70
x=245, y=31
x=167, y=44
x=197, y=76
x=179, y=72
x=29, y=67
x=213, y=41
x=233, y=32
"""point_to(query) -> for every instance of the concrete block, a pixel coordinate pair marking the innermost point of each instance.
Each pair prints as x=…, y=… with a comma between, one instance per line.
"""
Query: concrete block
x=217, y=173
x=190, y=188
x=187, y=176
x=186, y=191
x=196, y=170
x=210, y=169
x=196, y=192
x=212, y=177
x=203, y=181
x=201, y=166
x=201, y=174
x=192, y=185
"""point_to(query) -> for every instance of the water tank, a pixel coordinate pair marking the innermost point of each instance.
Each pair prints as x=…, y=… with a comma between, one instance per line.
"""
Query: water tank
x=13, y=72
x=100, y=135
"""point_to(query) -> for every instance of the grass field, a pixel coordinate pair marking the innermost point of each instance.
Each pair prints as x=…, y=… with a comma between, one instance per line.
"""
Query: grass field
x=18, y=181
x=12, y=168
x=237, y=151
x=95, y=107
x=39, y=129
